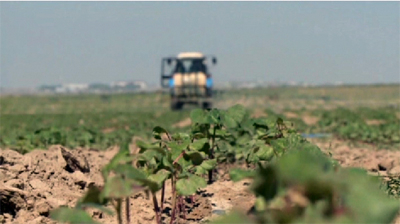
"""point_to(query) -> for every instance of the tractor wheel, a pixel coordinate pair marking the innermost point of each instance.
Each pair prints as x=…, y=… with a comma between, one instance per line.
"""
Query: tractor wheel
x=176, y=104
x=207, y=105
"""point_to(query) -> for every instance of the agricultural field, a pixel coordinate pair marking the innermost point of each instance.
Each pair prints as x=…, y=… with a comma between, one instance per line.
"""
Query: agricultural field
x=273, y=155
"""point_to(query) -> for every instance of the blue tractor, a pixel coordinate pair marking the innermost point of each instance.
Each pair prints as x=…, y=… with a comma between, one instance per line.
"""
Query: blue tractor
x=188, y=78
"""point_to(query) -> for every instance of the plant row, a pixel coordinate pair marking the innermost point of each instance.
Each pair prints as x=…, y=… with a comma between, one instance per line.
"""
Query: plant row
x=23, y=132
x=294, y=181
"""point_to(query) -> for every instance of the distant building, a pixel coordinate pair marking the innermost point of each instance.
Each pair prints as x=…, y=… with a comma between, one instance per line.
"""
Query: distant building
x=72, y=88
x=338, y=83
x=119, y=86
x=129, y=85
x=48, y=88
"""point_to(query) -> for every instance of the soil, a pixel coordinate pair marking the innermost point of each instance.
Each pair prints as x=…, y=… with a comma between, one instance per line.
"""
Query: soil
x=382, y=162
x=33, y=184
x=258, y=113
x=183, y=123
x=378, y=162
x=375, y=122
x=108, y=130
x=310, y=120
x=42, y=180
x=291, y=115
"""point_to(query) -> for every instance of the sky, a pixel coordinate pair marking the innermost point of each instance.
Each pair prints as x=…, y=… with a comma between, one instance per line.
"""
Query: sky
x=100, y=42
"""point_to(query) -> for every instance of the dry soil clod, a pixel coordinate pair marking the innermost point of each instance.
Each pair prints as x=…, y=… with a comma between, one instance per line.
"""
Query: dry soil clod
x=75, y=162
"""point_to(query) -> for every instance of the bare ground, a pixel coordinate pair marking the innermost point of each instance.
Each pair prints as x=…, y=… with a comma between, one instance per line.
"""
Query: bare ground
x=378, y=162
x=382, y=162
x=183, y=123
x=33, y=184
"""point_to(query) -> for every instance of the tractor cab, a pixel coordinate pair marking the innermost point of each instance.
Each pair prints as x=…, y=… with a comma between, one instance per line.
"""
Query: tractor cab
x=188, y=78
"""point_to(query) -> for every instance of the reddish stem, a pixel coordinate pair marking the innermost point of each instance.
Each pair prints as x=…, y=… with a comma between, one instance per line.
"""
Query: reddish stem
x=183, y=210
x=192, y=199
x=127, y=207
x=178, y=207
x=211, y=154
x=156, y=209
x=173, y=200
x=169, y=137
x=162, y=196
x=180, y=156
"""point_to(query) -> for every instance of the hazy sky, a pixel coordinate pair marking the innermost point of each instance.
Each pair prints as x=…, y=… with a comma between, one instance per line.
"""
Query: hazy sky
x=317, y=42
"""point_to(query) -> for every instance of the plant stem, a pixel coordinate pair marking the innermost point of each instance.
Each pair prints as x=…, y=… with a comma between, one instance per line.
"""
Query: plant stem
x=156, y=208
x=127, y=205
x=119, y=210
x=192, y=199
x=162, y=196
x=178, y=206
x=180, y=156
x=183, y=207
x=211, y=155
x=169, y=137
x=173, y=200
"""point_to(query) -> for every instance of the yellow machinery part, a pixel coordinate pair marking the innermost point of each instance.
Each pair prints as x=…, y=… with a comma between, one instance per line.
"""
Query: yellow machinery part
x=190, y=80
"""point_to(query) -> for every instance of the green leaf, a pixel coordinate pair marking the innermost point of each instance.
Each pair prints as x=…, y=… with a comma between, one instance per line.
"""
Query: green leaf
x=279, y=145
x=157, y=131
x=279, y=121
x=125, y=146
x=205, y=166
x=116, y=187
x=240, y=174
x=265, y=153
x=150, y=154
x=366, y=199
x=121, y=157
x=174, y=146
x=260, y=204
x=151, y=185
x=209, y=164
x=189, y=186
x=200, y=145
x=228, y=121
x=213, y=117
x=197, y=116
x=198, y=135
x=129, y=172
x=302, y=165
x=221, y=133
x=154, y=181
x=195, y=157
x=71, y=215
x=176, y=150
x=266, y=183
x=237, y=112
x=167, y=163
x=181, y=136
x=200, y=170
x=234, y=115
x=91, y=196
x=160, y=177
x=144, y=145
x=244, y=139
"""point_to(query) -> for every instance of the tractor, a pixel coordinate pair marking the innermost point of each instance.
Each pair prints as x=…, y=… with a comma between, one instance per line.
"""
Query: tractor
x=188, y=78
